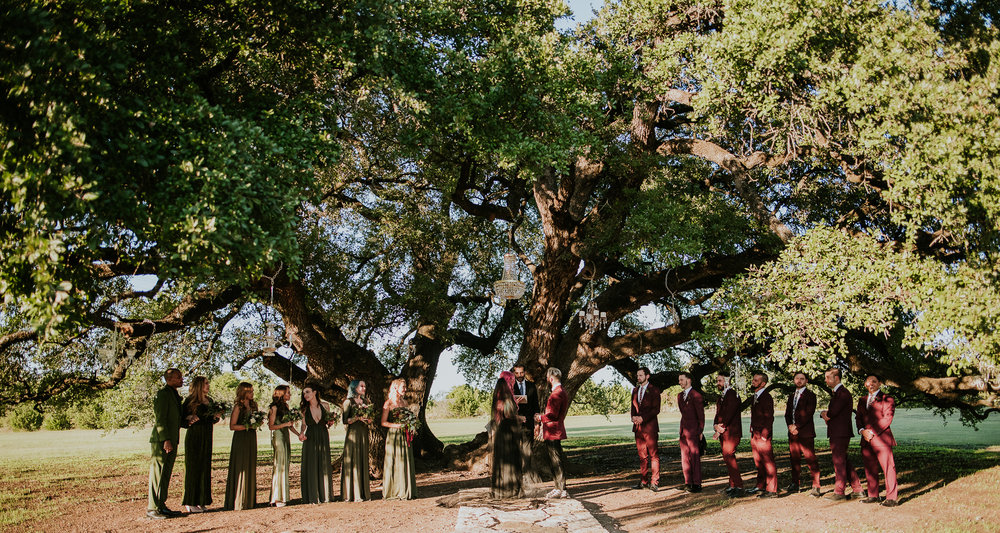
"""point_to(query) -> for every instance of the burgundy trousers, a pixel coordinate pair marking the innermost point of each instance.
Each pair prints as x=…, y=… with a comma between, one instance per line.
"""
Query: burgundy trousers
x=729, y=445
x=803, y=448
x=763, y=457
x=649, y=457
x=690, y=458
x=843, y=471
x=877, y=455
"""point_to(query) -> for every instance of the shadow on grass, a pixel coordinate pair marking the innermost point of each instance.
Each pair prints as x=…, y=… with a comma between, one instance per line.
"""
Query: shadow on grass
x=611, y=466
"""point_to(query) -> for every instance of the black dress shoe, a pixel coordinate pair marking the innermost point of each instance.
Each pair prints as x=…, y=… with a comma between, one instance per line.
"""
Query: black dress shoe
x=639, y=486
x=752, y=491
x=685, y=487
x=870, y=499
x=155, y=515
x=815, y=493
x=836, y=497
x=170, y=512
x=654, y=487
x=766, y=494
x=735, y=492
x=793, y=488
x=695, y=488
x=890, y=503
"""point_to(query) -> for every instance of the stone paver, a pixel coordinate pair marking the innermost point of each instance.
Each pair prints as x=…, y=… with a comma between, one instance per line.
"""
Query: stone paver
x=555, y=516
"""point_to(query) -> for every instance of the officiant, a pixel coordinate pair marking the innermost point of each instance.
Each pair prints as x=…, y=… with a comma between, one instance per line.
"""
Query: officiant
x=526, y=397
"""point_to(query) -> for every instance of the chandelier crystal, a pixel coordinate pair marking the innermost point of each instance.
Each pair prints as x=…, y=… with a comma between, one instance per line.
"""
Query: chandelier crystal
x=591, y=317
x=508, y=287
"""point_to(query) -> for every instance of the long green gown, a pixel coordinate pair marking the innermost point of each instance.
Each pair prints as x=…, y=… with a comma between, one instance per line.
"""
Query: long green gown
x=505, y=461
x=400, y=482
x=198, y=458
x=354, y=476
x=317, y=470
x=282, y=444
x=241, y=484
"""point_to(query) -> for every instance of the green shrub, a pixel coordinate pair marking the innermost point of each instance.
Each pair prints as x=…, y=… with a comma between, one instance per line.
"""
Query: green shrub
x=601, y=399
x=465, y=402
x=58, y=421
x=87, y=415
x=24, y=417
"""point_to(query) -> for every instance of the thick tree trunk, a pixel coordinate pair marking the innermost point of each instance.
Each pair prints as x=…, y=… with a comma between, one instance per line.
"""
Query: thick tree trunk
x=419, y=373
x=333, y=362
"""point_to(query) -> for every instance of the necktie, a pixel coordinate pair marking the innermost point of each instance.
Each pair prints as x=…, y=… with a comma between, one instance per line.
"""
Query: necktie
x=795, y=404
x=686, y=394
x=871, y=398
x=641, y=391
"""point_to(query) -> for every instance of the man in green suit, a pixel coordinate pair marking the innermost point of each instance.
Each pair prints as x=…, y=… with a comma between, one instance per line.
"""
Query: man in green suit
x=164, y=441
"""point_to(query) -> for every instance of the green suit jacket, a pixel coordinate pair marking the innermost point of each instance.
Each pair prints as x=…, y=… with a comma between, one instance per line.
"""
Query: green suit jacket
x=167, y=413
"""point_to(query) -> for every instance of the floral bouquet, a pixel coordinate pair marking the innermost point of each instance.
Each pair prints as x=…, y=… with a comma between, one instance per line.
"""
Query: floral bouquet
x=256, y=420
x=408, y=419
x=366, y=410
x=293, y=416
x=219, y=409
x=331, y=415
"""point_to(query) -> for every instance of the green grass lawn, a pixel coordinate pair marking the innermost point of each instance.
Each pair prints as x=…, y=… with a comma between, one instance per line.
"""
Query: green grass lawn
x=912, y=426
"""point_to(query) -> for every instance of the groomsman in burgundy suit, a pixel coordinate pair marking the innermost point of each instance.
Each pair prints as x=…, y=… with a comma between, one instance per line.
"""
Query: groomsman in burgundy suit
x=761, y=429
x=838, y=428
x=875, y=413
x=692, y=408
x=729, y=430
x=554, y=429
x=645, y=408
x=802, y=433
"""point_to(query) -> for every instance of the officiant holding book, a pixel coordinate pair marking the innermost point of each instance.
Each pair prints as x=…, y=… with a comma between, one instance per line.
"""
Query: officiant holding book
x=526, y=398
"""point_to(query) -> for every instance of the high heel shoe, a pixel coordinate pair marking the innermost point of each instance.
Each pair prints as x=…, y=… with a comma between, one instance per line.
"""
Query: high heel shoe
x=194, y=509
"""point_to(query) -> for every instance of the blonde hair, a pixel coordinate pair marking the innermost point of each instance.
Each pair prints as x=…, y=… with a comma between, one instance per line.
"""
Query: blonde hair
x=196, y=393
x=394, y=396
x=241, y=393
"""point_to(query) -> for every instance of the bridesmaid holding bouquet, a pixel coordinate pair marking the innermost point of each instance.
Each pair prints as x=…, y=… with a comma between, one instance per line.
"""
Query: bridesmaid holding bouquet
x=354, y=476
x=317, y=470
x=280, y=421
x=400, y=481
x=241, y=484
x=198, y=447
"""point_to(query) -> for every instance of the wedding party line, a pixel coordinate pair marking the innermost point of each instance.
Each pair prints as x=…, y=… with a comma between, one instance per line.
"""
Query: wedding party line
x=515, y=424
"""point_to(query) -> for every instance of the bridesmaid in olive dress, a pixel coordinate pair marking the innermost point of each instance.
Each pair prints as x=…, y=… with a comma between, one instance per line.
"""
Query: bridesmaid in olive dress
x=354, y=476
x=400, y=481
x=317, y=469
x=198, y=448
x=281, y=443
x=241, y=484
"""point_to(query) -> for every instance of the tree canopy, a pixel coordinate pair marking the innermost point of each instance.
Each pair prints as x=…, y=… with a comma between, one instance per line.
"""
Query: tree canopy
x=776, y=185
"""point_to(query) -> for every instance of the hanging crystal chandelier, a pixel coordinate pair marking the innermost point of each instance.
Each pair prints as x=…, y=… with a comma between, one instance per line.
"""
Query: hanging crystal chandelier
x=591, y=317
x=269, y=342
x=509, y=287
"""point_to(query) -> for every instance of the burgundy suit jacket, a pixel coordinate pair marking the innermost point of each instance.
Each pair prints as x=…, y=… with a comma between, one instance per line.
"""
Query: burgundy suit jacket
x=803, y=414
x=692, y=414
x=648, y=409
x=727, y=413
x=762, y=415
x=553, y=427
x=840, y=413
x=877, y=418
